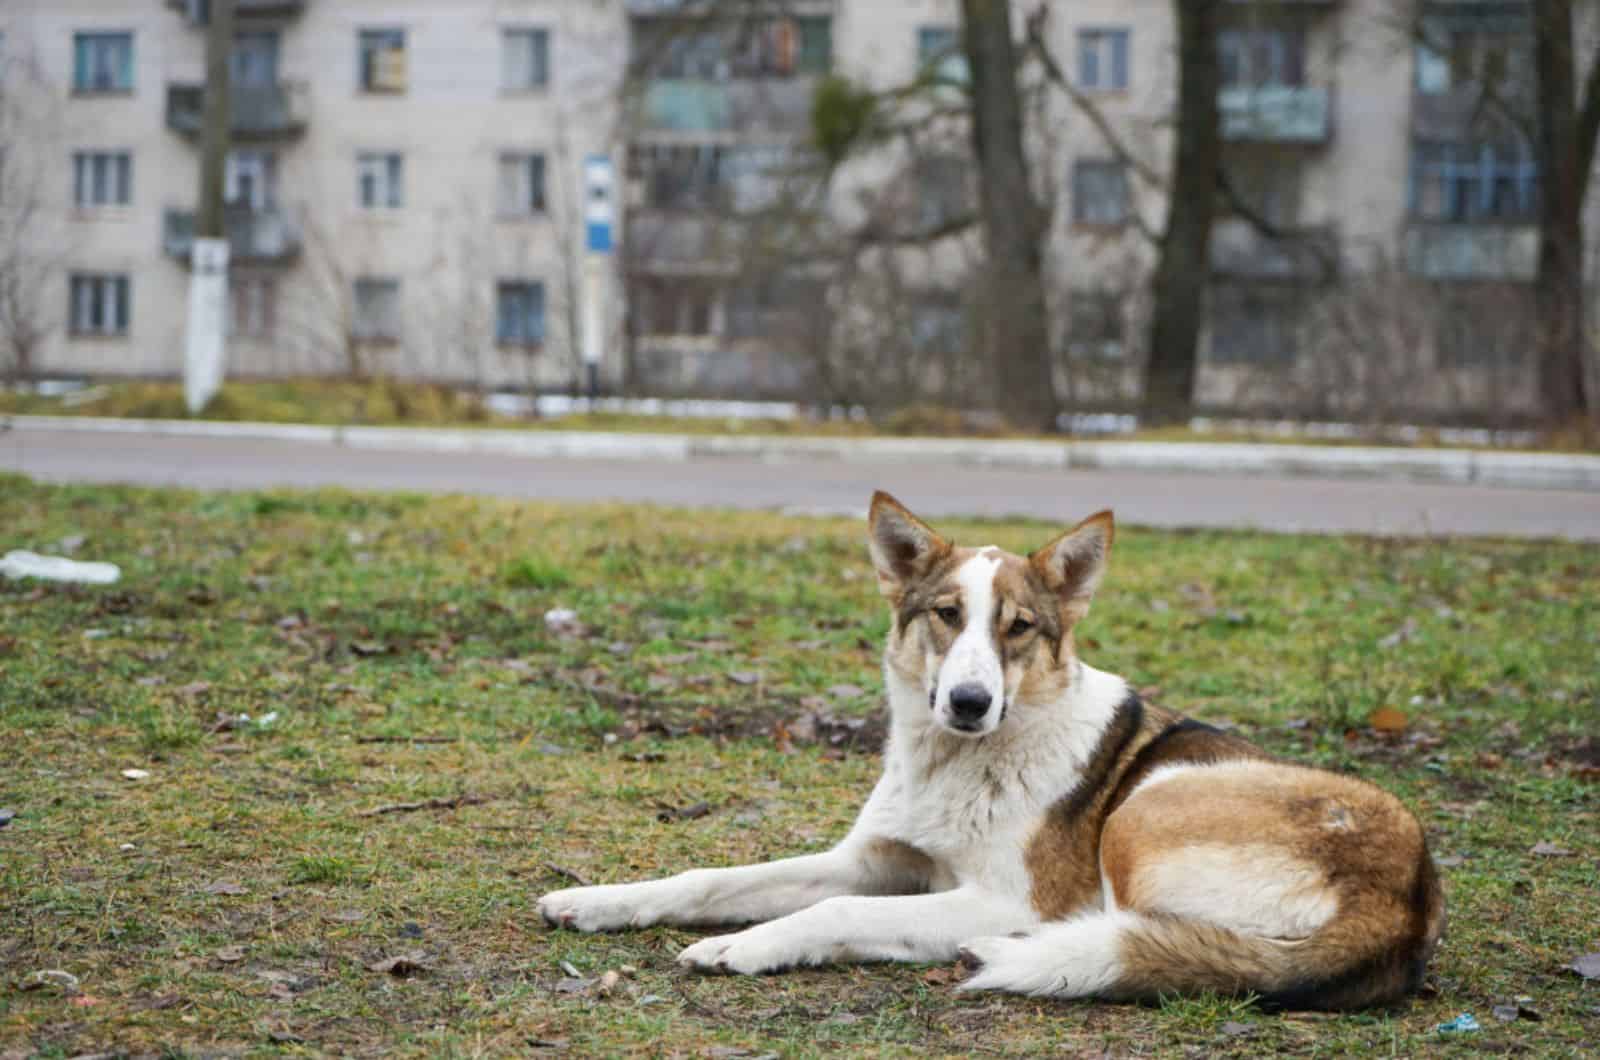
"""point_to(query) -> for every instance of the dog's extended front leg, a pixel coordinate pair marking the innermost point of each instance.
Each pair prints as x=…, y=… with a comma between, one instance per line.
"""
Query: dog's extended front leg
x=739, y=895
x=924, y=927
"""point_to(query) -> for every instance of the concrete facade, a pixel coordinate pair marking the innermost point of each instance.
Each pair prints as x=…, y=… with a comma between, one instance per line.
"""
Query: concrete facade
x=1322, y=119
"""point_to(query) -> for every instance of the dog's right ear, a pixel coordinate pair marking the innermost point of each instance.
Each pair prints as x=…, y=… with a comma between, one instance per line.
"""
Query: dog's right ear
x=904, y=548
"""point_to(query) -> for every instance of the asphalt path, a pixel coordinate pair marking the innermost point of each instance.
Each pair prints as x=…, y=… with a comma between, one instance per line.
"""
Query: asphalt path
x=821, y=486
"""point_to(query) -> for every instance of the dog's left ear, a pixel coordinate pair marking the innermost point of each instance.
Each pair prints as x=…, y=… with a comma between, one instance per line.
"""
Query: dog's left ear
x=1072, y=564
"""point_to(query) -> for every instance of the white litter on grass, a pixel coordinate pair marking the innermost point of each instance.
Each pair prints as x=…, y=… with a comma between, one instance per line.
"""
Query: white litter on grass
x=136, y=774
x=266, y=719
x=20, y=563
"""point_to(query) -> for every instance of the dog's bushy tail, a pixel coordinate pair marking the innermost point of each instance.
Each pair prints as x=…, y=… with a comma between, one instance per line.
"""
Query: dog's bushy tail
x=1354, y=961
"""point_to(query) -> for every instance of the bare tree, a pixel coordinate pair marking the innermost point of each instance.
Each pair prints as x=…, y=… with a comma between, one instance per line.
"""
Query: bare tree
x=32, y=240
x=1014, y=227
x=1567, y=128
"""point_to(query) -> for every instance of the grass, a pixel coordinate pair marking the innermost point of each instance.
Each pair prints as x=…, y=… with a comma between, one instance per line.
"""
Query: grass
x=390, y=649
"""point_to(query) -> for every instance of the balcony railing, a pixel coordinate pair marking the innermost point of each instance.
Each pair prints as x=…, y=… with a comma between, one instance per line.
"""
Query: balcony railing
x=198, y=12
x=1276, y=114
x=260, y=112
x=1453, y=251
x=690, y=106
x=1239, y=250
x=262, y=237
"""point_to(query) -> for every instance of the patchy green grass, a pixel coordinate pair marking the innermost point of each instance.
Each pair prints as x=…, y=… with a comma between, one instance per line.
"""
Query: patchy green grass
x=392, y=655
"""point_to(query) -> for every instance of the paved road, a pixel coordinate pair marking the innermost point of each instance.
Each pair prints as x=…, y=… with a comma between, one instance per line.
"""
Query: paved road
x=823, y=486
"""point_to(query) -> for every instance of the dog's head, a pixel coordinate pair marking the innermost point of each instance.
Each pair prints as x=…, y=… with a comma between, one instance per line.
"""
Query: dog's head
x=981, y=630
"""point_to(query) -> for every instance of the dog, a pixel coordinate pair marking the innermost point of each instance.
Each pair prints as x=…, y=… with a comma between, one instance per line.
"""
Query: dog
x=1058, y=836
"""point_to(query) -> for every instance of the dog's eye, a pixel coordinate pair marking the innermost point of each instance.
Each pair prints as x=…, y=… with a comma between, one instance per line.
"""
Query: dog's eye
x=950, y=615
x=1019, y=627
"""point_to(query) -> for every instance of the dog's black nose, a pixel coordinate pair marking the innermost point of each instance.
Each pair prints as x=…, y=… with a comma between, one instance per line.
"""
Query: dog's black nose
x=969, y=702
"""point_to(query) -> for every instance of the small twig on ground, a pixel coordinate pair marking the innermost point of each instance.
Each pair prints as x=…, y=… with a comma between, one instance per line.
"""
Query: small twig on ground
x=427, y=804
x=406, y=739
x=565, y=873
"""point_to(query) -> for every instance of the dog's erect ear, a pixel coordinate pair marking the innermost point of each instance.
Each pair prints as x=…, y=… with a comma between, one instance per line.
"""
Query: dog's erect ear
x=904, y=548
x=1072, y=564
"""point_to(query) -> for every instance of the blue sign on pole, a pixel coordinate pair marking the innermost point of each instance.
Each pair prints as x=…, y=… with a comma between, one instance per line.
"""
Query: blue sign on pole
x=599, y=188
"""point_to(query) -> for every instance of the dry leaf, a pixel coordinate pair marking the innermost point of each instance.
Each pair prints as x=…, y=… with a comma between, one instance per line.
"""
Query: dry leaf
x=1546, y=849
x=744, y=677
x=226, y=887
x=1387, y=719
x=230, y=954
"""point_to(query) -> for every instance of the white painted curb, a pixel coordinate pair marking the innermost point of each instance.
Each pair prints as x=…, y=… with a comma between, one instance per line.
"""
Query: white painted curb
x=1460, y=466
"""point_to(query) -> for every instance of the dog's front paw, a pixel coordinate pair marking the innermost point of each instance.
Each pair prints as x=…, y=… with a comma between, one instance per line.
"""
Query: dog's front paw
x=749, y=952
x=610, y=907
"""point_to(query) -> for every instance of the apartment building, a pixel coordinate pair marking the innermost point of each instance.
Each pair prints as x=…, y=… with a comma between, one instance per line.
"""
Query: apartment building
x=403, y=192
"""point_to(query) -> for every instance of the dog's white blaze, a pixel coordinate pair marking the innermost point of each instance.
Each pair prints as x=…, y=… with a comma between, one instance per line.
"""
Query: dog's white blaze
x=1252, y=888
x=972, y=657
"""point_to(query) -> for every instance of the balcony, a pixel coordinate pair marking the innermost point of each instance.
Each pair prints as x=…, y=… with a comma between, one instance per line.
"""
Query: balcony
x=198, y=12
x=260, y=112
x=1276, y=114
x=1453, y=251
x=698, y=107
x=1240, y=251
x=255, y=237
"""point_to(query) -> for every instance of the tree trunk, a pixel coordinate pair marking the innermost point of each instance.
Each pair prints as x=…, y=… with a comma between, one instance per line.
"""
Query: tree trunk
x=218, y=119
x=1016, y=327
x=1563, y=169
x=1180, y=280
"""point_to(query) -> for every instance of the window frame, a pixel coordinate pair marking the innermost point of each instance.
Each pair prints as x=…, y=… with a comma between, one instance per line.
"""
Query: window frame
x=386, y=332
x=536, y=191
x=83, y=84
x=119, y=305
x=1081, y=216
x=389, y=173
x=87, y=178
x=508, y=34
x=1119, y=40
x=367, y=49
x=532, y=317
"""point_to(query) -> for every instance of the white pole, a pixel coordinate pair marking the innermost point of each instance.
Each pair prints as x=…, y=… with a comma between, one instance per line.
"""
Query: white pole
x=206, y=340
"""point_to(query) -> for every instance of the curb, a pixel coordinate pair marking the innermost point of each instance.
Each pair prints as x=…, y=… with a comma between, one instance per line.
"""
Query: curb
x=1558, y=471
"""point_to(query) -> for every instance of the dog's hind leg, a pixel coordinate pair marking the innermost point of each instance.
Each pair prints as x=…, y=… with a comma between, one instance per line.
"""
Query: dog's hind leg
x=745, y=894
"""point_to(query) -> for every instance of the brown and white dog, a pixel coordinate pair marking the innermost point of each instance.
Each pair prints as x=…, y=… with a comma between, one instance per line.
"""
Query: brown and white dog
x=1062, y=838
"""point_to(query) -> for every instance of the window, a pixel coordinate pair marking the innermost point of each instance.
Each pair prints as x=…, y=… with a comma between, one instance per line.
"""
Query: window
x=1094, y=327
x=254, y=62
x=1493, y=51
x=102, y=178
x=525, y=59
x=519, y=313
x=99, y=304
x=680, y=305
x=1248, y=327
x=943, y=186
x=1254, y=57
x=939, y=54
x=249, y=179
x=1099, y=193
x=1269, y=185
x=377, y=310
x=1474, y=182
x=938, y=324
x=1103, y=59
x=680, y=176
x=102, y=62
x=251, y=302
x=383, y=60
x=521, y=184
x=747, y=47
x=380, y=179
